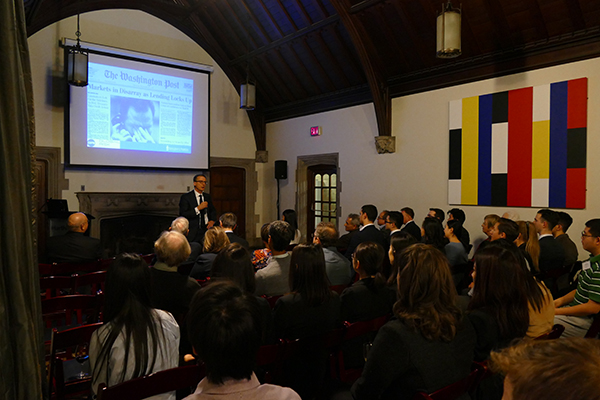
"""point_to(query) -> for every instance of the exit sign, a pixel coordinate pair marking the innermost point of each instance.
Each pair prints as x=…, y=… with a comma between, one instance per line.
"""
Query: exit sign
x=315, y=131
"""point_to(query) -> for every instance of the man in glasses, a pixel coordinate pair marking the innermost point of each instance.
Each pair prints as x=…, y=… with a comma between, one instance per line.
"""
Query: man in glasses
x=198, y=208
x=576, y=310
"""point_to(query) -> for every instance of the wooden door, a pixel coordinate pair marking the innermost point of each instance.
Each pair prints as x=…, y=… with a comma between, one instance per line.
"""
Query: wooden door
x=228, y=191
x=322, y=196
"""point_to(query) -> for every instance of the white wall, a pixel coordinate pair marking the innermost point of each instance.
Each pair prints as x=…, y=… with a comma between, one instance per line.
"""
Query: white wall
x=231, y=133
x=417, y=174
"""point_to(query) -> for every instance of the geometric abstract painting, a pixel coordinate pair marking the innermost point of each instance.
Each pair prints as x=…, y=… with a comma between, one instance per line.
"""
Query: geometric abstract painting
x=520, y=148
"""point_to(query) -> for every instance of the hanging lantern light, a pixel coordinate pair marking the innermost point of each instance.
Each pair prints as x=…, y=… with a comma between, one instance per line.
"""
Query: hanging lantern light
x=448, y=32
x=247, y=95
x=77, y=60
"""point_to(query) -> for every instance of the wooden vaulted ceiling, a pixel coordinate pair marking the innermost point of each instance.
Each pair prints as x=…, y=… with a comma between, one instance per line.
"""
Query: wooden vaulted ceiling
x=308, y=56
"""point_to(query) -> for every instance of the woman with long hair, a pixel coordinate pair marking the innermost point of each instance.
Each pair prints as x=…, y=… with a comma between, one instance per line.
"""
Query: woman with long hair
x=398, y=242
x=528, y=242
x=428, y=333
x=215, y=240
x=454, y=250
x=369, y=297
x=432, y=233
x=136, y=339
x=291, y=217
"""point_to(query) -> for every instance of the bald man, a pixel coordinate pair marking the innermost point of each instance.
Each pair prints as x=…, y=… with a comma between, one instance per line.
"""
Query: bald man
x=74, y=246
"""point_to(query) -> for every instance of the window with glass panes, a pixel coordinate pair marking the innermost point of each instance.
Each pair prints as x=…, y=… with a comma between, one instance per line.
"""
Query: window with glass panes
x=323, y=201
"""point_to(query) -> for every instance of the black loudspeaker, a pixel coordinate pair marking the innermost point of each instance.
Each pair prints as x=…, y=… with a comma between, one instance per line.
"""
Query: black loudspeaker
x=281, y=169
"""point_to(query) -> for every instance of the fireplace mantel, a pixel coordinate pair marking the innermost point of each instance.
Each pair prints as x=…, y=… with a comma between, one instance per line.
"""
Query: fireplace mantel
x=118, y=204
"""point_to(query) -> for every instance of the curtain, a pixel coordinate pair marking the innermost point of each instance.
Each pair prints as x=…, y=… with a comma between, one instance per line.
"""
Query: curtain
x=21, y=348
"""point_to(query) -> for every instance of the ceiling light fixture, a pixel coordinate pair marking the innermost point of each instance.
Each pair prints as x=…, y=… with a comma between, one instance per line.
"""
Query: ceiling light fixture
x=448, y=32
x=77, y=60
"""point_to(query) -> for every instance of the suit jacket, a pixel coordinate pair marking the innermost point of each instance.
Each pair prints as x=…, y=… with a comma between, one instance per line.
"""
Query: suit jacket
x=73, y=247
x=552, y=255
x=233, y=238
x=367, y=234
x=412, y=228
x=187, y=205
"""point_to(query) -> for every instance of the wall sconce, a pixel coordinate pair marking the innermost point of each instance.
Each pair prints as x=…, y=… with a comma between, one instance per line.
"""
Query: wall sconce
x=448, y=32
x=77, y=60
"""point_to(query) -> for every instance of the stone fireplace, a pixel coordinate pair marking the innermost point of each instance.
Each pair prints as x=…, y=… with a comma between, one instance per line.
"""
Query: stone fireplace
x=128, y=222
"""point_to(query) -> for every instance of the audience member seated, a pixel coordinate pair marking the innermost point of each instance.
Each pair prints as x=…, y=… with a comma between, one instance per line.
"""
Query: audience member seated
x=398, y=242
x=369, y=297
x=351, y=226
x=291, y=218
x=136, y=339
x=273, y=280
x=454, y=250
x=225, y=329
x=432, y=233
x=367, y=232
x=499, y=308
x=437, y=213
x=509, y=230
x=310, y=309
x=382, y=222
x=552, y=255
x=550, y=369
x=488, y=223
x=429, y=345
x=74, y=246
x=233, y=264
x=169, y=290
x=575, y=311
x=182, y=225
x=337, y=266
x=464, y=237
x=527, y=242
x=215, y=240
x=228, y=222
x=560, y=235
x=260, y=257
x=394, y=221
x=409, y=224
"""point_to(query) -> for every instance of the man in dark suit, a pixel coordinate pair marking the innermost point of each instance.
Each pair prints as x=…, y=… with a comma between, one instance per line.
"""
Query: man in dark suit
x=74, y=246
x=198, y=208
x=409, y=224
x=229, y=222
x=368, y=232
x=552, y=255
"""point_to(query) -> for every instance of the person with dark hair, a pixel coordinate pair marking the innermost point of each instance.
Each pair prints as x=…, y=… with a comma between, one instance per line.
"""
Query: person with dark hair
x=409, y=224
x=429, y=345
x=198, y=208
x=291, y=217
x=432, y=233
x=337, y=266
x=369, y=297
x=505, y=229
x=552, y=255
x=351, y=226
x=225, y=329
x=368, y=232
x=215, y=240
x=394, y=222
x=261, y=257
x=550, y=369
x=576, y=309
x=310, y=309
x=233, y=263
x=228, y=222
x=136, y=339
x=465, y=238
x=560, y=235
x=272, y=280
x=454, y=250
x=437, y=213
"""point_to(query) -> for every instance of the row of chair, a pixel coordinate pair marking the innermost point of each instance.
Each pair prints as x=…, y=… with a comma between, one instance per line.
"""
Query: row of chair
x=54, y=286
x=68, y=268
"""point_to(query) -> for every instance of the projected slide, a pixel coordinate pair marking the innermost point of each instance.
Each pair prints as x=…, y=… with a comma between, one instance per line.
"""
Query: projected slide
x=137, y=110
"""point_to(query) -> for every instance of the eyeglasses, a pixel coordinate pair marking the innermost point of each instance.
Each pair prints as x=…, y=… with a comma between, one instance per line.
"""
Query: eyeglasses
x=583, y=234
x=200, y=181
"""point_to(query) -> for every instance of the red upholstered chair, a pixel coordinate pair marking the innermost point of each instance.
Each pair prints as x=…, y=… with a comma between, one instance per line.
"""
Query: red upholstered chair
x=153, y=384
x=353, y=331
x=554, y=333
x=70, y=346
x=455, y=390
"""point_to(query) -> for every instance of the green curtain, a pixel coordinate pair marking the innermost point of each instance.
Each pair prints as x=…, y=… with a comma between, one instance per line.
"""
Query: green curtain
x=21, y=348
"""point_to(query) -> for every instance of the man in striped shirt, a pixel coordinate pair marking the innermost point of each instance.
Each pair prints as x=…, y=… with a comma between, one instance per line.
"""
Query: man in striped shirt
x=576, y=310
